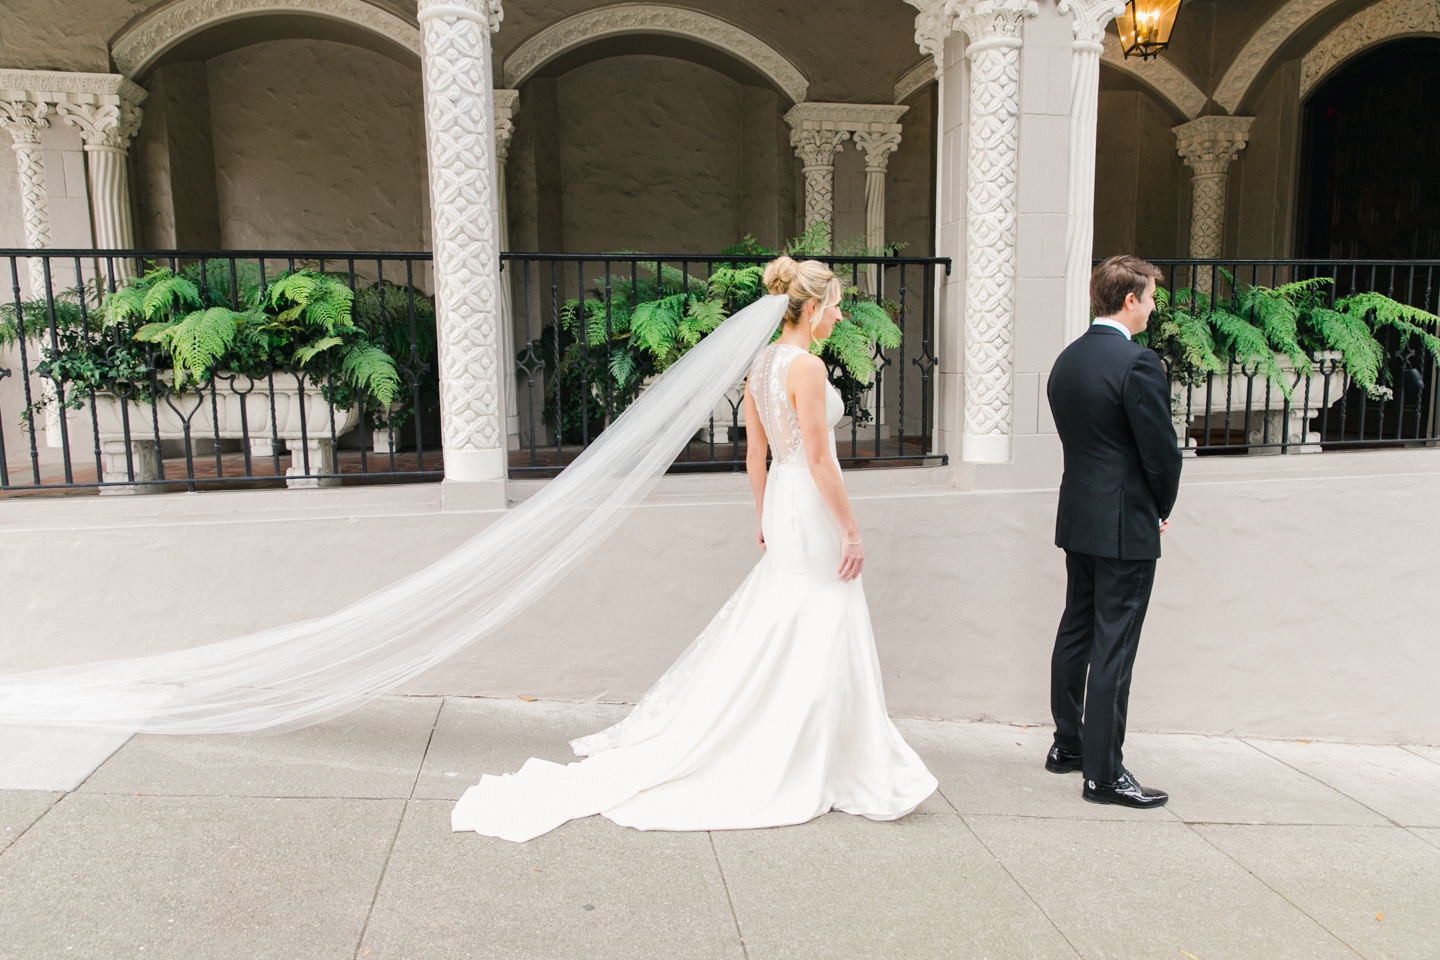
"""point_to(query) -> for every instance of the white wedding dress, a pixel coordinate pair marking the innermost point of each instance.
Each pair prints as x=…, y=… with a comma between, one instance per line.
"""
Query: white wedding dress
x=774, y=715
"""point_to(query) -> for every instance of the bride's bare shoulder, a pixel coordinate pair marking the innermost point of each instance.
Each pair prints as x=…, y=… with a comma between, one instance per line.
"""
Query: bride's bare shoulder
x=807, y=372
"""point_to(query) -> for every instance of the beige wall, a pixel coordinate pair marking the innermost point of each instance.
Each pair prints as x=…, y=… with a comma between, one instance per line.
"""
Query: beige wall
x=1295, y=597
x=651, y=156
x=317, y=145
x=1142, y=187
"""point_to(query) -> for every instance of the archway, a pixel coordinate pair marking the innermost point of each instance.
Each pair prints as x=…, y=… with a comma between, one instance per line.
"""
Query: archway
x=272, y=124
x=648, y=142
x=1371, y=157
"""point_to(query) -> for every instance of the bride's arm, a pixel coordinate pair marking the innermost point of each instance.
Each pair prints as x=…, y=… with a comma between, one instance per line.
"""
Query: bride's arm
x=755, y=447
x=806, y=381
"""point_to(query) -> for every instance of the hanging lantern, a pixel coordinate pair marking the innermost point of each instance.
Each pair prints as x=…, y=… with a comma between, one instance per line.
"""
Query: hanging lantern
x=1145, y=26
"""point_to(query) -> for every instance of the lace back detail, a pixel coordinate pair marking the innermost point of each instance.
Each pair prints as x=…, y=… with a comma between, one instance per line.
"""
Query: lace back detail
x=772, y=400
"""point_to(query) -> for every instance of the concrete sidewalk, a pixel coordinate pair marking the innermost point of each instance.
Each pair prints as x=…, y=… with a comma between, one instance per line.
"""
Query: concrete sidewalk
x=335, y=842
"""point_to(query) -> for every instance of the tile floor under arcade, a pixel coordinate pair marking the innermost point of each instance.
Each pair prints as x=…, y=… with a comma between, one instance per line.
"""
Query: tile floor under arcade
x=334, y=841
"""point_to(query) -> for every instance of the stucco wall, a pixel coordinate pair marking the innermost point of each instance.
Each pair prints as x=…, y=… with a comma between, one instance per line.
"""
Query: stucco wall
x=651, y=156
x=1295, y=598
x=1142, y=187
x=318, y=145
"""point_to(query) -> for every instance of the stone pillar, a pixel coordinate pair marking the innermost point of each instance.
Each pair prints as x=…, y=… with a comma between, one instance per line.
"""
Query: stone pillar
x=24, y=119
x=878, y=144
x=994, y=29
x=1209, y=145
x=507, y=103
x=460, y=136
x=107, y=122
x=1091, y=18
x=815, y=141
x=817, y=130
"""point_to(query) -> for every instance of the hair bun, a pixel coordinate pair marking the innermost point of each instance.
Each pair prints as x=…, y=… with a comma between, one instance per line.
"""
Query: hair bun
x=780, y=274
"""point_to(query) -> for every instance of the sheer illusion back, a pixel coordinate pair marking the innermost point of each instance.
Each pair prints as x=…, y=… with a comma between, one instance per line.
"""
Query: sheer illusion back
x=768, y=379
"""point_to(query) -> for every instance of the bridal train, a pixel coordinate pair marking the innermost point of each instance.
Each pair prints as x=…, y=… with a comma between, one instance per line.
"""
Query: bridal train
x=773, y=716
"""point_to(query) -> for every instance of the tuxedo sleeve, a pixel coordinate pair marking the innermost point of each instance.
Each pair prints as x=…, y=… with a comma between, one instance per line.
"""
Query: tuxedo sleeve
x=1147, y=405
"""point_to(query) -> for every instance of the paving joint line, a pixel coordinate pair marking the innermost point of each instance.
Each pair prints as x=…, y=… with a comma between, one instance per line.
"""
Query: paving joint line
x=734, y=917
x=1295, y=906
x=1410, y=748
x=6, y=849
x=395, y=837
x=1304, y=773
x=1014, y=879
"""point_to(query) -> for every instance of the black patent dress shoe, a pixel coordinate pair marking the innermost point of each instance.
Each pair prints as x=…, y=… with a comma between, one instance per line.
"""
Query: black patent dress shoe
x=1124, y=792
x=1058, y=761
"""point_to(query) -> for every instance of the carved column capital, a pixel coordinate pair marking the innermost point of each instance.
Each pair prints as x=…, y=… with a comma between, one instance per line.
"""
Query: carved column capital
x=24, y=119
x=1210, y=144
x=990, y=23
x=1091, y=19
x=507, y=104
x=104, y=126
x=878, y=144
x=487, y=13
x=932, y=26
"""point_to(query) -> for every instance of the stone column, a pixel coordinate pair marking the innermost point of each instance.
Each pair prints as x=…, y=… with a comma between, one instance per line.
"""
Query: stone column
x=24, y=119
x=817, y=130
x=878, y=144
x=1091, y=17
x=507, y=104
x=107, y=122
x=994, y=30
x=460, y=136
x=1209, y=145
x=815, y=145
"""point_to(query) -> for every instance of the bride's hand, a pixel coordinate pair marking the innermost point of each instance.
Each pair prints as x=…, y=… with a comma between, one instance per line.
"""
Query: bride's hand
x=852, y=558
x=760, y=534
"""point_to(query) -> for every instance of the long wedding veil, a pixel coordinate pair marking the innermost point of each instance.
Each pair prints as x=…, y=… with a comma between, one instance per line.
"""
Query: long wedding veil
x=303, y=673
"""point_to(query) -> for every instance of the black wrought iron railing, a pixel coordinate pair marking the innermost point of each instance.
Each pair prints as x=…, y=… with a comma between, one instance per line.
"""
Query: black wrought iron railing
x=291, y=398
x=112, y=377
x=585, y=353
x=1245, y=408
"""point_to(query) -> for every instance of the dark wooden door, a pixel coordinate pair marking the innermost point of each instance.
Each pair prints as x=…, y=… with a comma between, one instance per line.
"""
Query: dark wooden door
x=1371, y=161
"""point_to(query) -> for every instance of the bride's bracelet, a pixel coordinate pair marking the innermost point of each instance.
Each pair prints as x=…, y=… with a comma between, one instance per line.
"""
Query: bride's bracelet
x=853, y=543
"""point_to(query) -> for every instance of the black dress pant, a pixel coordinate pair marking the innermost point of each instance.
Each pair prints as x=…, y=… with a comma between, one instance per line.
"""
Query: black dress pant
x=1105, y=603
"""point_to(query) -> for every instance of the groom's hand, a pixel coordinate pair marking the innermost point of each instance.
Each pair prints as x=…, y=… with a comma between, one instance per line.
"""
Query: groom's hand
x=1164, y=525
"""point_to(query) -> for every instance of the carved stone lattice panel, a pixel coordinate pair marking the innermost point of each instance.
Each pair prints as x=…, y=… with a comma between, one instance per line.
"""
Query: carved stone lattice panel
x=139, y=45
x=630, y=18
x=460, y=133
x=1386, y=20
x=994, y=30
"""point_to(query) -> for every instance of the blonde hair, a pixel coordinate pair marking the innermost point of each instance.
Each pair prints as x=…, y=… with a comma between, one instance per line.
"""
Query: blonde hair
x=802, y=282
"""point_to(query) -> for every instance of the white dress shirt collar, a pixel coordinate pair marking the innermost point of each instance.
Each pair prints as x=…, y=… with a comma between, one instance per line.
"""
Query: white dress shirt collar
x=1113, y=324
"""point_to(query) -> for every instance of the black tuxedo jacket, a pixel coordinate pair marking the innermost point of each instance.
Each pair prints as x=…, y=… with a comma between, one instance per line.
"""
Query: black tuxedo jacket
x=1111, y=402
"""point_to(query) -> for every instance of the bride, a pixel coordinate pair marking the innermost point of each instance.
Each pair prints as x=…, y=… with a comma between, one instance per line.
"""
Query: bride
x=775, y=714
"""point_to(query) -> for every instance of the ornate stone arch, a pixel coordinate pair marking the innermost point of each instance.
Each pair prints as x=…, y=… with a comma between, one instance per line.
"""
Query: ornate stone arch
x=1159, y=75
x=1386, y=20
x=632, y=18
x=1252, y=58
x=141, y=43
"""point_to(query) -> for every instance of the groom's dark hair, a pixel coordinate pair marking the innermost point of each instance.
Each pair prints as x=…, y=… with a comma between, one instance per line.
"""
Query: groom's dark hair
x=1114, y=277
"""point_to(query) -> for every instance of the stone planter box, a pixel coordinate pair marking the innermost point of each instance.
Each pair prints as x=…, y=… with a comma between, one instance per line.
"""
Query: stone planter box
x=241, y=411
x=1268, y=421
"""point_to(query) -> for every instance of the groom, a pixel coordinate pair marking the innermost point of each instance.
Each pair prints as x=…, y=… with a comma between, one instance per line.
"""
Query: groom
x=1111, y=401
